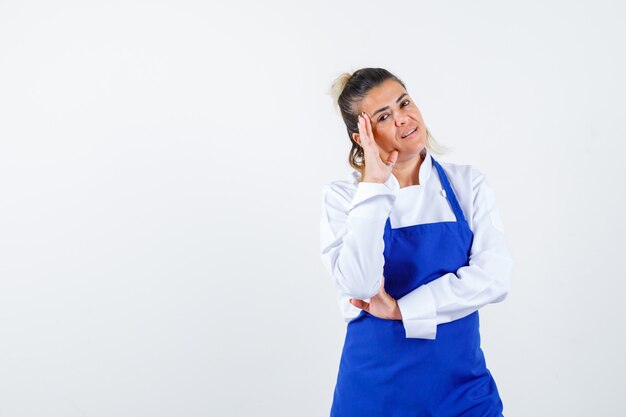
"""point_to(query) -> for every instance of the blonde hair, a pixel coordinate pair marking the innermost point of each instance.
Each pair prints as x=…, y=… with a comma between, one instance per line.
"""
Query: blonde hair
x=347, y=91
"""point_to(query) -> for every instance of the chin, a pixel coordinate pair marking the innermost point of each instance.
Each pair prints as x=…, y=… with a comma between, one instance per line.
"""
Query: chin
x=415, y=147
x=410, y=152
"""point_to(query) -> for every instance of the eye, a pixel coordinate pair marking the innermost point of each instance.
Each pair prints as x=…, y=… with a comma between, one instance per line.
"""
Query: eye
x=405, y=103
x=383, y=118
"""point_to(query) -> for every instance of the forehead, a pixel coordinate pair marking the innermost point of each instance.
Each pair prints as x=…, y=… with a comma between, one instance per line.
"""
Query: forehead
x=383, y=95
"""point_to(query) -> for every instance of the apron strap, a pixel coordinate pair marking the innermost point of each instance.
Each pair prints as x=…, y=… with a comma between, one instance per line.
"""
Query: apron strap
x=454, y=203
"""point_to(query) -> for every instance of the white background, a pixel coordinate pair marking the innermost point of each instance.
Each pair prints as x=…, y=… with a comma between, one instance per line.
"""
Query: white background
x=160, y=174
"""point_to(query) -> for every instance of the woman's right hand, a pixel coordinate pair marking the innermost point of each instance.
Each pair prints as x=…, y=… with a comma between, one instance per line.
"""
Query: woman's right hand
x=376, y=169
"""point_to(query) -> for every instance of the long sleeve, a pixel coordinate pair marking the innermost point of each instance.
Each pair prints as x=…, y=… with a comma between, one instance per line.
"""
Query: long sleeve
x=352, y=229
x=485, y=280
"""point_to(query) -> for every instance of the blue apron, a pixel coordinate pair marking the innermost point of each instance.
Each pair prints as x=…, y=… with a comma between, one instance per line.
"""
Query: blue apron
x=382, y=373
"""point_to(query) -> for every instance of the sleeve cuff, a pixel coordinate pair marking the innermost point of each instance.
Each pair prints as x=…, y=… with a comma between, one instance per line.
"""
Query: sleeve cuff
x=419, y=314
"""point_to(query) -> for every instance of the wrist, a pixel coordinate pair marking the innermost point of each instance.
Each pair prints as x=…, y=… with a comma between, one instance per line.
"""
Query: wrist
x=378, y=181
x=397, y=314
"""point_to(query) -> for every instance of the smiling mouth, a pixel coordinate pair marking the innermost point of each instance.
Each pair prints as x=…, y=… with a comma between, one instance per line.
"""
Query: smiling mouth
x=410, y=133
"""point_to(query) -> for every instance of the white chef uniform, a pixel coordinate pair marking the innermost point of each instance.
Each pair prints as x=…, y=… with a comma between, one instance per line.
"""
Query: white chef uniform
x=353, y=218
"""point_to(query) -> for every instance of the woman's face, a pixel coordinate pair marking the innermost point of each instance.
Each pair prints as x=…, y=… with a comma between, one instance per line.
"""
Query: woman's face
x=396, y=121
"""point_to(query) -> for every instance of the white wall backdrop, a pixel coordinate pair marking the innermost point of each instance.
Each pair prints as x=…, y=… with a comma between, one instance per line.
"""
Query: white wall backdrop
x=160, y=174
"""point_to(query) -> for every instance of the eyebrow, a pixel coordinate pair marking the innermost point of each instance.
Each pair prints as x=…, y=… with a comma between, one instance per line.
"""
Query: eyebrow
x=386, y=107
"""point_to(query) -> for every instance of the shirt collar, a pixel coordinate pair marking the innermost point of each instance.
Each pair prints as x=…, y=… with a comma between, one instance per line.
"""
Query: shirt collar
x=424, y=173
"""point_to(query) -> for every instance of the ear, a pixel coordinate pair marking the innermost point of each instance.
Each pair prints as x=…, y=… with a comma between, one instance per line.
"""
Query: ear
x=356, y=138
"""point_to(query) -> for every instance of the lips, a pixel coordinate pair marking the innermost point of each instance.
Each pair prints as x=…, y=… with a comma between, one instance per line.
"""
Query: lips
x=409, y=133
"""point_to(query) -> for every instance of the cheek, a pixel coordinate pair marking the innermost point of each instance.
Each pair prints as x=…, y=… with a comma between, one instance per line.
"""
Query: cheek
x=381, y=134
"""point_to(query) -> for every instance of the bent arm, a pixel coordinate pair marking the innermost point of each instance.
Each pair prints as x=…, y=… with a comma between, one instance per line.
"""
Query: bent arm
x=352, y=229
x=485, y=280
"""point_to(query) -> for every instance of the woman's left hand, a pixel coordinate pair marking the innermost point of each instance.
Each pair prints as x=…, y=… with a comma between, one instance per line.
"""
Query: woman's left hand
x=382, y=305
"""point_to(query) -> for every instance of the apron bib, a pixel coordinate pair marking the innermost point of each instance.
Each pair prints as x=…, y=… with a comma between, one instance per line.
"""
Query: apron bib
x=382, y=373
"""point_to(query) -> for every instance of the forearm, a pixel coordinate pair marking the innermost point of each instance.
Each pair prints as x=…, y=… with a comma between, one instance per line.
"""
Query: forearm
x=485, y=279
x=456, y=295
x=354, y=254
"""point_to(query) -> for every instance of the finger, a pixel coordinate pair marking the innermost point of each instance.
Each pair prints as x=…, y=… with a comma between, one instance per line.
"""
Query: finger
x=362, y=135
x=392, y=157
x=356, y=303
x=368, y=126
x=360, y=304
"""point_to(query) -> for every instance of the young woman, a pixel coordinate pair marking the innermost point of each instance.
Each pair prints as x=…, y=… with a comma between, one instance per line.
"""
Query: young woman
x=415, y=248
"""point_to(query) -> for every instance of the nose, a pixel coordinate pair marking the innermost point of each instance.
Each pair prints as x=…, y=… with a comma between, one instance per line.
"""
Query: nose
x=400, y=119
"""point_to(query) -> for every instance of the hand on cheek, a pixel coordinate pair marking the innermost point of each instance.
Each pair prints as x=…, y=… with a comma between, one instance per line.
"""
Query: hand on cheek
x=377, y=163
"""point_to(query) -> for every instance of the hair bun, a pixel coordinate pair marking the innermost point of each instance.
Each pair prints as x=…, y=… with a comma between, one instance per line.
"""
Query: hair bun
x=338, y=85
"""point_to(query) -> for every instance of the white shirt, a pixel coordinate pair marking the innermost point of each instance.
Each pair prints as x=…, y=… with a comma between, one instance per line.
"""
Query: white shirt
x=353, y=218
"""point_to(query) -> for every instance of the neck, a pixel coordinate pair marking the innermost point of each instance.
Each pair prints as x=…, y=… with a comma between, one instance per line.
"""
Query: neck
x=407, y=171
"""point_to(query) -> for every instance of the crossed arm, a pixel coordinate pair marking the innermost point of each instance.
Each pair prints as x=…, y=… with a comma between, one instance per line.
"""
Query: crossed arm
x=352, y=230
